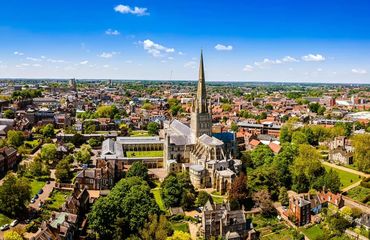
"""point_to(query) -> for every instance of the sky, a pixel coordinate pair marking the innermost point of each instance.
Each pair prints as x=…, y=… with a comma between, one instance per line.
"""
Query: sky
x=245, y=40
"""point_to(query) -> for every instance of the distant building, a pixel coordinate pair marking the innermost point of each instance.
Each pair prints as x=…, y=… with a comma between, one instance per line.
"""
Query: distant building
x=341, y=151
x=220, y=220
x=8, y=159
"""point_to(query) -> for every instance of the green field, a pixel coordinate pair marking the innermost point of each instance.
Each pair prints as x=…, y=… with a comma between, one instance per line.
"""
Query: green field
x=313, y=232
x=131, y=154
x=181, y=226
x=57, y=199
x=158, y=198
x=359, y=194
x=36, y=186
x=4, y=220
x=346, y=178
x=139, y=133
x=217, y=199
x=285, y=234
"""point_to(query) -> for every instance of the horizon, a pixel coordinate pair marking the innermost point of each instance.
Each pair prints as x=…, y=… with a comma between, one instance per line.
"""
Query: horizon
x=242, y=41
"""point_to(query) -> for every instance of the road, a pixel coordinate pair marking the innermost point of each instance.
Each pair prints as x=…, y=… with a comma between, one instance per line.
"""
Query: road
x=47, y=189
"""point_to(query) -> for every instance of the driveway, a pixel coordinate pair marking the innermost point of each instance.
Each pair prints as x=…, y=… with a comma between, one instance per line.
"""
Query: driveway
x=48, y=188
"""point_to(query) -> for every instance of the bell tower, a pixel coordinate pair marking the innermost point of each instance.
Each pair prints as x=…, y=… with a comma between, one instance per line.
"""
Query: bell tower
x=201, y=119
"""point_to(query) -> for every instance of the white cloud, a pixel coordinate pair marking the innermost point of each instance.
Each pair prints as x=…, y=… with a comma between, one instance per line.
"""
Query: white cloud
x=181, y=53
x=313, y=58
x=106, y=66
x=112, y=32
x=221, y=47
x=155, y=49
x=359, y=71
x=107, y=54
x=18, y=53
x=190, y=64
x=248, y=68
x=36, y=65
x=55, y=60
x=289, y=59
x=125, y=9
x=34, y=59
x=267, y=61
x=129, y=61
x=84, y=62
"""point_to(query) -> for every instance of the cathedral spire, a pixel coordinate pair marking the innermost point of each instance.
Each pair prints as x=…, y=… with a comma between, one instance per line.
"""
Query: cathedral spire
x=201, y=92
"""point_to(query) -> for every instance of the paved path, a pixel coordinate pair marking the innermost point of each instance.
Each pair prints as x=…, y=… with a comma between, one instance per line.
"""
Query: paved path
x=346, y=189
x=48, y=188
x=362, y=174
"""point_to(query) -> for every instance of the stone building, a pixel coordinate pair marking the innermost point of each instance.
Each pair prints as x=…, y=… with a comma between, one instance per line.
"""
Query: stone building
x=341, y=151
x=220, y=220
x=196, y=150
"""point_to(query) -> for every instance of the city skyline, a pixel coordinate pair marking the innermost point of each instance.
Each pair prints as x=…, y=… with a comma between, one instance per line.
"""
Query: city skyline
x=242, y=40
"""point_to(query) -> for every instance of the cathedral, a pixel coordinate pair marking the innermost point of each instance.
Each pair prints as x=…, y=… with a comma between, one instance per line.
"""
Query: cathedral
x=194, y=149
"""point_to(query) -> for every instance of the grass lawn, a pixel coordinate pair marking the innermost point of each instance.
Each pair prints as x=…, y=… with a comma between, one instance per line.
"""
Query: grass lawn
x=312, y=232
x=359, y=194
x=140, y=133
x=36, y=186
x=57, y=199
x=180, y=226
x=4, y=219
x=346, y=178
x=217, y=199
x=158, y=198
x=131, y=154
x=284, y=234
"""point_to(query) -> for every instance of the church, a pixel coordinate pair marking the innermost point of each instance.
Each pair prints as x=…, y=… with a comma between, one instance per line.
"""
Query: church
x=194, y=149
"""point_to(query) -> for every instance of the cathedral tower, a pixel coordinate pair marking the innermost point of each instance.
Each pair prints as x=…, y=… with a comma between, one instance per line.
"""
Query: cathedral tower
x=201, y=119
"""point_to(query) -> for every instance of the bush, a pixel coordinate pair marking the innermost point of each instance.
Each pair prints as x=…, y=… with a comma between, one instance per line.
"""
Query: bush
x=32, y=227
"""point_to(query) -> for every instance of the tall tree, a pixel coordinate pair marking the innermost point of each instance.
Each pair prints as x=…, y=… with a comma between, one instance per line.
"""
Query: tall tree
x=239, y=191
x=138, y=169
x=14, y=194
x=361, y=143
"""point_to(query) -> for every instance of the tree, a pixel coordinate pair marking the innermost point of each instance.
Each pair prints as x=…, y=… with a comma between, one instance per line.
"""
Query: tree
x=37, y=168
x=283, y=196
x=238, y=191
x=12, y=235
x=261, y=155
x=330, y=180
x=180, y=235
x=157, y=227
x=48, y=130
x=49, y=152
x=153, y=128
x=234, y=127
x=14, y=194
x=15, y=138
x=177, y=190
x=63, y=171
x=299, y=137
x=106, y=111
x=83, y=156
x=361, y=143
x=262, y=199
x=124, y=211
x=93, y=142
x=307, y=163
x=138, y=169
x=9, y=114
x=147, y=106
x=202, y=198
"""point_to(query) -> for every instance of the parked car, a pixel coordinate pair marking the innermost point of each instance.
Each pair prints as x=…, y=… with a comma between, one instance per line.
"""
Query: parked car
x=14, y=223
x=33, y=200
x=40, y=191
x=36, y=196
x=47, y=182
x=4, y=227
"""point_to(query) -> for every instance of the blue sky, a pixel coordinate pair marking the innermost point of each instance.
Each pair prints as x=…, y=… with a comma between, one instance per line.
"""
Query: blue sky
x=273, y=40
